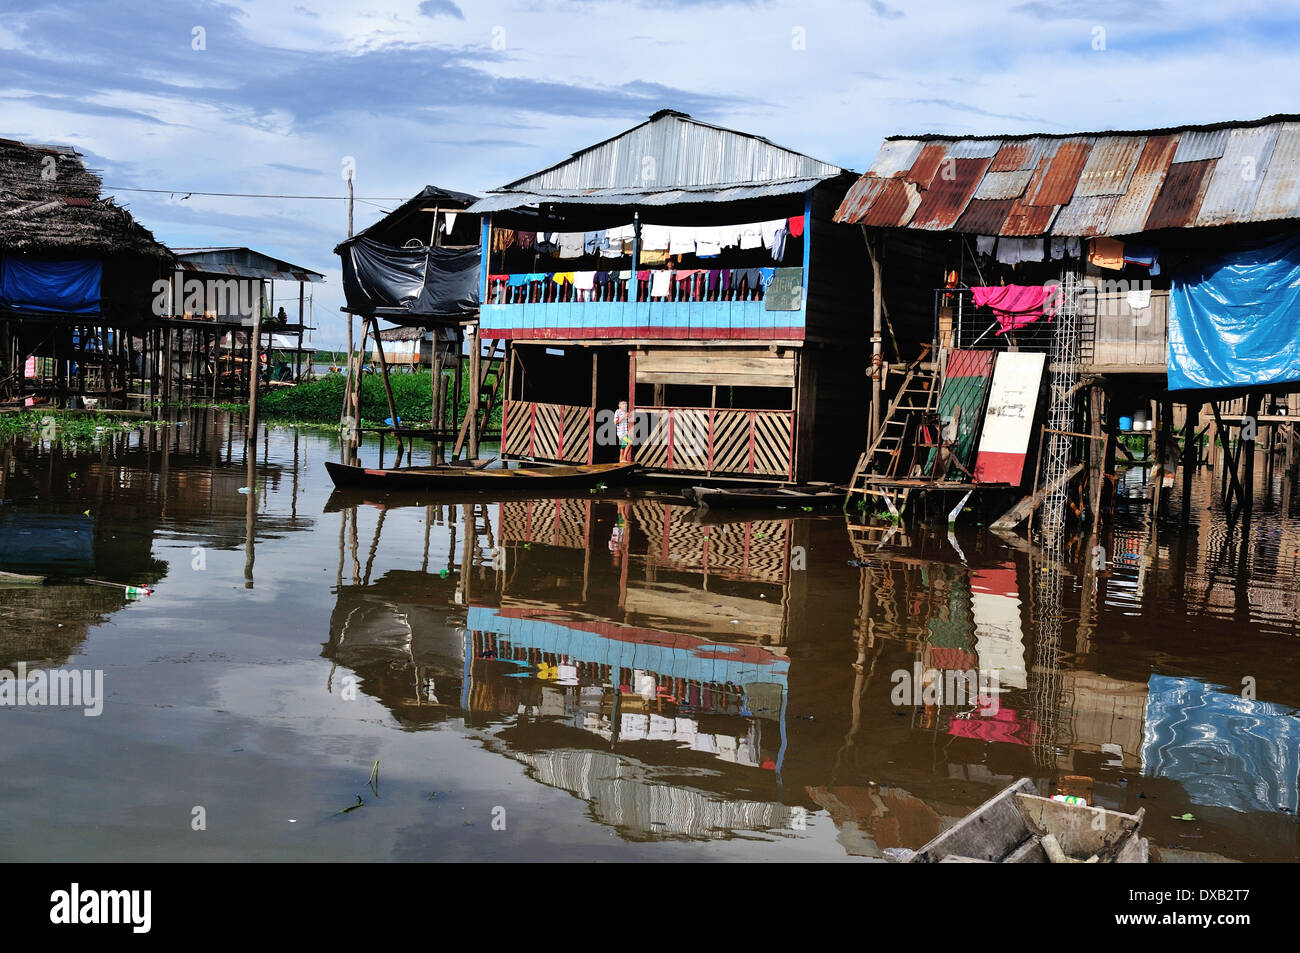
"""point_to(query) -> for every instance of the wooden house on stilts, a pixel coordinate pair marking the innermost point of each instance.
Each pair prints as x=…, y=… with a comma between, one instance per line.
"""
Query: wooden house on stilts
x=76, y=280
x=694, y=272
x=1146, y=277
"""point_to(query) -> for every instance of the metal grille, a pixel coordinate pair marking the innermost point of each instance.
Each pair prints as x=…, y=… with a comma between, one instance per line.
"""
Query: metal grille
x=1064, y=378
x=959, y=324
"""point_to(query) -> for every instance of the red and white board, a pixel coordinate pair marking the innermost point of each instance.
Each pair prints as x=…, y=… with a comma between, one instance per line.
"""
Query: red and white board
x=1009, y=419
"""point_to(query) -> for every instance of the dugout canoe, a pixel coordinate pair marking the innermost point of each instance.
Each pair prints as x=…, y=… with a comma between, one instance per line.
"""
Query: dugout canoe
x=347, y=477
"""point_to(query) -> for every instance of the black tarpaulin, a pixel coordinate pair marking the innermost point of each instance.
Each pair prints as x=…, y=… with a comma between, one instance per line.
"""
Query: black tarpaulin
x=427, y=282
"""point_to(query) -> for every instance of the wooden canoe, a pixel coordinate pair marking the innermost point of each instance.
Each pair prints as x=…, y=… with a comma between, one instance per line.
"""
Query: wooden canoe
x=462, y=478
x=1011, y=828
x=750, y=498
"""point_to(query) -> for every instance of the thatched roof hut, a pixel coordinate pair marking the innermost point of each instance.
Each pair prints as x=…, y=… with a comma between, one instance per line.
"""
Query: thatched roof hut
x=50, y=207
x=51, y=211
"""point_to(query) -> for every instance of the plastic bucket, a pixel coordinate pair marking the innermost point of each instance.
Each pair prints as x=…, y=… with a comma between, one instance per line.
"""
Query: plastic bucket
x=1126, y=423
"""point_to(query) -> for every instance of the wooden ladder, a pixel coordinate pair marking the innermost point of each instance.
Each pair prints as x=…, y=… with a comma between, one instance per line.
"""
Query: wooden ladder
x=916, y=400
x=493, y=364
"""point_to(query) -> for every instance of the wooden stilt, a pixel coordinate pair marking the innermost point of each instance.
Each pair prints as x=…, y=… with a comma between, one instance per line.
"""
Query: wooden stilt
x=1191, y=453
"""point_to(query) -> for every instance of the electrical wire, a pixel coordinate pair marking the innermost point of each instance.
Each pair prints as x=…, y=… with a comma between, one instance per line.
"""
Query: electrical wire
x=256, y=195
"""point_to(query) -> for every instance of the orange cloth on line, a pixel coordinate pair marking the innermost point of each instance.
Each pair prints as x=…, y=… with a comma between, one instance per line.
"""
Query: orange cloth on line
x=502, y=238
x=1106, y=253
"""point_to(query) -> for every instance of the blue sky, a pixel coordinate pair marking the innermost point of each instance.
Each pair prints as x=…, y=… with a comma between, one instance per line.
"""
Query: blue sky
x=272, y=97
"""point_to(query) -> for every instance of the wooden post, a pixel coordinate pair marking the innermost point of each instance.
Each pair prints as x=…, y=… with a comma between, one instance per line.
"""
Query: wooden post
x=877, y=307
x=1191, y=453
x=591, y=440
x=1097, y=450
x=383, y=371
x=476, y=385
x=1248, y=465
x=458, y=382
x=251, y=442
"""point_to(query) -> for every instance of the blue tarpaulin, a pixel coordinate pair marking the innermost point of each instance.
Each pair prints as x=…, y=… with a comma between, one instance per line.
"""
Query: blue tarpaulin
x=1236, y=320
x=71, y=287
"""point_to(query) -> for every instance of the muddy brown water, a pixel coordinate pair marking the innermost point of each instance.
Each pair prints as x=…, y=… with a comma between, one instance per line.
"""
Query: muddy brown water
x=610, y=675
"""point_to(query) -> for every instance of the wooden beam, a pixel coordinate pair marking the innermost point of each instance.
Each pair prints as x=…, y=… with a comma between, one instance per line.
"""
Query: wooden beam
x=1018, y=513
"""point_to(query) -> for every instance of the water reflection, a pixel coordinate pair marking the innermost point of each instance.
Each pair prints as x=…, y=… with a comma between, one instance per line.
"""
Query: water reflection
x=696, y=679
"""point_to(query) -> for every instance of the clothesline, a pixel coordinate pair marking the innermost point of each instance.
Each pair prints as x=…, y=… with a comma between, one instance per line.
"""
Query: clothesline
x=658, y=242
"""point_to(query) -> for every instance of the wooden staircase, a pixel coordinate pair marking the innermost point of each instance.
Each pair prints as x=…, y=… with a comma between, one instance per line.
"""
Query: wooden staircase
x=914, y=406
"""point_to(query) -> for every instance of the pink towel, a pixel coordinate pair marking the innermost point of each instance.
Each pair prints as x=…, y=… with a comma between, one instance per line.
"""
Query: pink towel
x=1017, y=305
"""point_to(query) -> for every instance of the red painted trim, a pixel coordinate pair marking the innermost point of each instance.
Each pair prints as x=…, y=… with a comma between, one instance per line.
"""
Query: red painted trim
x=712, y=416
x=672, y=434
x=532, y=428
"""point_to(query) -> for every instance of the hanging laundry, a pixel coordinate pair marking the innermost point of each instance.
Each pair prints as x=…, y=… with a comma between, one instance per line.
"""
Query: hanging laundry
x=448, y=222
x=984, y=244
x=1139, y=299
x=584, y=280
x=768, y=230
x=654, y=258
x=729, y=236
x=655, y=237
x=751, y=236
x=548, y=242
x=682, y=241
x=778, y=243
x=1135, y=254
x=795, y=226
x=502, y=238
x=614, y=240
x=1015, y=306
x=592, y=241
x=708, y=243
x=1106, y=253
x=562, y=277
x=1012, y=251
x=525, y=240
x=571, y=244
x=765, y=276
x=660, y=283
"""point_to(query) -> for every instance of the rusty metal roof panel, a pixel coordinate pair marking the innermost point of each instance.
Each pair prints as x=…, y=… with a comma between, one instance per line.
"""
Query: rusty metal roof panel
x=1012, y=156
x=984, y=216
x=1086, y=215
x=1003, y=185
x=1180, y=197
x=945, y=200
x=895, y=157
x=1056, y=177
x=1234, y=187
x=1131, y=211
x=893, y=205
x=1196, y=145
x=927, y=164
x=1279, y=192
x=1028, y=220
x=975, y=148
x=859, y=198
x=1110, y=165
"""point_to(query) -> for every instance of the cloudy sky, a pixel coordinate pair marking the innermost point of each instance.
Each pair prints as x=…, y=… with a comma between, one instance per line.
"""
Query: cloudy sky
x=274, y=97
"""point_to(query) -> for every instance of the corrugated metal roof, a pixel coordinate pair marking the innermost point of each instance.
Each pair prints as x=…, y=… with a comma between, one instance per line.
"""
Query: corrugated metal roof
x=1279, y=193
x=1110, y=165
x=895, y=157
x=499, y=201
x=1237, y=176
x=950, y=190
x=895, y=206
x=1195, y=146
x=1054, y=183
x=241, y=262
x=1085, y=215
x=927, y=164
x=1180, y=197
x=1003, y=185
x=984, y=216
x=1130, y=213
x=670, y=152
x=860, y=197
x=1173, y=178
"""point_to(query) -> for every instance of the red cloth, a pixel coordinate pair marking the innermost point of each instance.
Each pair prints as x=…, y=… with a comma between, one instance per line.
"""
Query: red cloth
x=1017, y=305
x=796, y=226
